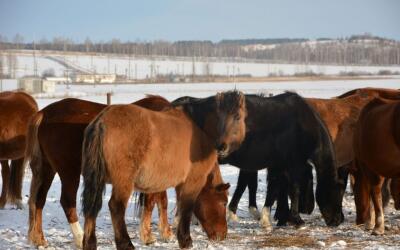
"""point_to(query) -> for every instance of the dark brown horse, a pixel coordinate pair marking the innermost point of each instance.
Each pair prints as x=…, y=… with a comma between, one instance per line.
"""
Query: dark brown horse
x=377, y=155
x=340, y=115
x=16, y=108
x=151, y=151
x=55, y=146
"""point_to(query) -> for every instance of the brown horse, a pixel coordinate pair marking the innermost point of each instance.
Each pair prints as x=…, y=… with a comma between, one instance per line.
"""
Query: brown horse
x=65, y=121
x=210, y=209
x=55, y=146
x=151, y=151
x=377, y=155
x=16, y=108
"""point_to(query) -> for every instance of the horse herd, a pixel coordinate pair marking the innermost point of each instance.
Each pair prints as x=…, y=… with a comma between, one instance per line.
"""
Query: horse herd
x=153, y=144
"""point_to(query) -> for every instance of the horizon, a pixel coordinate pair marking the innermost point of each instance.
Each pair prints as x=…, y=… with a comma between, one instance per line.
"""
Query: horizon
x=206, y=20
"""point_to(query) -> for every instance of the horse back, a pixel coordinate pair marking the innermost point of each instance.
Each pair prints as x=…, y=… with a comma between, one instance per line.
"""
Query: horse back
x=163, y=145
x=16, y=109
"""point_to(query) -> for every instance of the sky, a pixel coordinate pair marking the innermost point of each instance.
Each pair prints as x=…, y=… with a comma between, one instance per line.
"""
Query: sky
x=102, y=20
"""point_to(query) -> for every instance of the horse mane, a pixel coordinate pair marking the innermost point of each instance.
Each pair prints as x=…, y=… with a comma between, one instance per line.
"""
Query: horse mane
x=229, y=101
x=347, y=94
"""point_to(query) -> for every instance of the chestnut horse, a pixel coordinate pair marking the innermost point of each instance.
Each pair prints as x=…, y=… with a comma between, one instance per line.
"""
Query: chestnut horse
x=151, y=151
x=64, y=121
x=377, y=155
x=16, y=108
x=209, y=209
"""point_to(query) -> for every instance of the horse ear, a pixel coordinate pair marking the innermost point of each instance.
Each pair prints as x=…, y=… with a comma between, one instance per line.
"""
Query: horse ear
x=223, y=187
x=241, y=100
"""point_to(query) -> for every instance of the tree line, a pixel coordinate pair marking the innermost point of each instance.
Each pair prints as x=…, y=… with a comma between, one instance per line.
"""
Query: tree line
x=357, y=50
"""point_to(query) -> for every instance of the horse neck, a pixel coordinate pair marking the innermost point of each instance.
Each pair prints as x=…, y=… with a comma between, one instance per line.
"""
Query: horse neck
x=202, y=113
x=217, y=177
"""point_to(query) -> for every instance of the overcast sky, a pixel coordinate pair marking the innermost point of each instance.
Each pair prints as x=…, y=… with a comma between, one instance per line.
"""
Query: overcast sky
x=197, y=19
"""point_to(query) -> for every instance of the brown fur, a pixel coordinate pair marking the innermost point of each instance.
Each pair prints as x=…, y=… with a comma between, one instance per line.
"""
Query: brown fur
x=149, y=151
x=16, y=108
x=377, y=155
x=54, y=143
x=341, y=114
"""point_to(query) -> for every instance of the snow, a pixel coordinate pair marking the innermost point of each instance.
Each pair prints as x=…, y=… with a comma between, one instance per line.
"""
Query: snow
x=247, y=233
x=144, y=67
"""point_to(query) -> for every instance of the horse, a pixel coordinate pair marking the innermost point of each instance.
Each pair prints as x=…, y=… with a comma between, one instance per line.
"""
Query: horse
x=144, y=145
x=65, y=121
x=340, y=115
x=377, y=155
x=209, y=209
x=283, y=132
x=16, y=108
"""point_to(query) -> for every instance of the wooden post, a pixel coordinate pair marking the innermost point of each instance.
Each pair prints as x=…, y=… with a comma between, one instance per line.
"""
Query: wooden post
x=108, y=98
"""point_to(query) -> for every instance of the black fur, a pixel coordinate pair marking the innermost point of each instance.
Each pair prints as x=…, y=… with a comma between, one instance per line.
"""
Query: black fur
x=283, y=132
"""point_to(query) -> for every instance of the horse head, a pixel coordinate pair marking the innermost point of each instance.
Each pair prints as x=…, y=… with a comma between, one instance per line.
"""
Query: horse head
x=231, y=128
x=210, y=207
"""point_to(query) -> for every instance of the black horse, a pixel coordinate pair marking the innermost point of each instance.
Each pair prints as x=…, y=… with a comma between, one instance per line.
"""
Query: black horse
x=283, y=132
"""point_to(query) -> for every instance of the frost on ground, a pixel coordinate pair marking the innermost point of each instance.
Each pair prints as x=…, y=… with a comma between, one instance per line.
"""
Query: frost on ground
x=246, y=234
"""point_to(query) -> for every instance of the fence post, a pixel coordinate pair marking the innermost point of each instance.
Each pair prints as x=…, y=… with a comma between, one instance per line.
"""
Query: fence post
x=109, y=98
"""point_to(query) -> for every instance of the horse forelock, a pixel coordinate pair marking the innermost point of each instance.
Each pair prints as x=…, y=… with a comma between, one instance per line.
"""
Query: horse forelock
x=229, y=102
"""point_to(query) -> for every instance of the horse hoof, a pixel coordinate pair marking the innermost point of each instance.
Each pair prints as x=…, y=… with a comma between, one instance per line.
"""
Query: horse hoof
x=147, y=239
x=232, y=216
x=378, y=231
x=19, y=204
x=265, y=220
x=187, y=243
x=369, y=226
x=301, y=227
x=38, y=241
x=254, y=213
x=166, y=235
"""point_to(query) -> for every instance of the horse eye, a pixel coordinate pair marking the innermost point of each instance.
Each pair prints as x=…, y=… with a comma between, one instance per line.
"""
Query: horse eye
x=237, y=117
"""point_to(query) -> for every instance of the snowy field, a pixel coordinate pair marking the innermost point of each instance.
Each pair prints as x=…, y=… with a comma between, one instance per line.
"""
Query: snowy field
x=246, y=234
x=145, y=67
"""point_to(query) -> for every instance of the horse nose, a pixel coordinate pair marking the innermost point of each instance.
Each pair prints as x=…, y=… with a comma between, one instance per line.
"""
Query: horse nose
x=221, y=147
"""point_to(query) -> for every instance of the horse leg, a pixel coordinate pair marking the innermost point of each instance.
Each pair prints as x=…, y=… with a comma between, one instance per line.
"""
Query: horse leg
x=240, y=188
x=376, y=193
x=294, y=192
x=188, y=193
x=361, y=192
x=163, y=225
x=265, y=218
x=145, y=223
x=252, y=184
x=5, y=173
x=40, y=185
x=117, y=205
x=16, y=179
x=69, y=188
x=282, y=212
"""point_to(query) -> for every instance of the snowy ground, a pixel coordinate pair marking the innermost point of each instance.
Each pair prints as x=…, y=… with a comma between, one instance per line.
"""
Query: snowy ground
x=246, y=234
x=144, y=67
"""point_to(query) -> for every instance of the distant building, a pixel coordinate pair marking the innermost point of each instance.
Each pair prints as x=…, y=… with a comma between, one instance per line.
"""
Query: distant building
x=94, y=78
x=34, y=85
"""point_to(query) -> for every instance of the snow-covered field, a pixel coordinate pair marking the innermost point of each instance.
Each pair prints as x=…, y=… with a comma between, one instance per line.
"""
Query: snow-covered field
x=246, y=234
x=144, y=67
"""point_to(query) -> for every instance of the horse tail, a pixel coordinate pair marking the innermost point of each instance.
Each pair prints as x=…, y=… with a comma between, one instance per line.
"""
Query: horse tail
x=94, y=169
x=33, y=155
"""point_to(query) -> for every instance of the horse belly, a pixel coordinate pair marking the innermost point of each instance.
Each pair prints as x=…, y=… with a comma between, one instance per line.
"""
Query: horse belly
x=163, y=171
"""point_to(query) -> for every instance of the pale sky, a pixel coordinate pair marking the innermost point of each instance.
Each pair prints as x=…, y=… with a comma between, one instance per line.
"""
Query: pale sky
x=197, y=19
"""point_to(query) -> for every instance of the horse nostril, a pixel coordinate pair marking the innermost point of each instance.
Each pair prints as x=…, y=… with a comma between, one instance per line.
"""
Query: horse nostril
x=221, y=147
